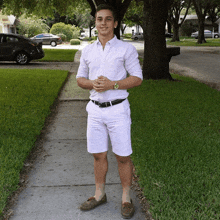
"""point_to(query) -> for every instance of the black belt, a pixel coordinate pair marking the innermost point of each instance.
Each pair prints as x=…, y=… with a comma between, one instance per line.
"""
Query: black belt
x=107, y=104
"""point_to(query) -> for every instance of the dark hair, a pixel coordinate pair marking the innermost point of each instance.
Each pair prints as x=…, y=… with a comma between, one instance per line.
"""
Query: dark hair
x=107, y=7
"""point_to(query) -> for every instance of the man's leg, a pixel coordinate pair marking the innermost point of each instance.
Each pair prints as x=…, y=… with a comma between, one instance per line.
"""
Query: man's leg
x=100, y=170
x=125, y=168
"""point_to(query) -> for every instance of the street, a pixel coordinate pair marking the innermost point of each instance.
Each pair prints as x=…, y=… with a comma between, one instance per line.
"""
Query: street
x=202, y=63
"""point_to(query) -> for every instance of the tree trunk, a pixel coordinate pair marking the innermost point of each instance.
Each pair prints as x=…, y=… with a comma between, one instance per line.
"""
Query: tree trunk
x=156, y=62
x=201, y=36
x=176, y=33
x=117, y=30
x=90, y=30
x=201, y=11
x=169, y=27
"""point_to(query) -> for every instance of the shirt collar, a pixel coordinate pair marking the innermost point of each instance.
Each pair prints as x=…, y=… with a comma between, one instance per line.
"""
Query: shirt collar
x=111, y=42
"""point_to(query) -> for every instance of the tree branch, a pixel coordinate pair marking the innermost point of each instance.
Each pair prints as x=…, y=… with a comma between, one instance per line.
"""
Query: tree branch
x=189, y=5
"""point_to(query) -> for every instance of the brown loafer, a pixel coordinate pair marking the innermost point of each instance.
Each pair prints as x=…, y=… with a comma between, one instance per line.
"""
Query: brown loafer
x=127, y=210
x=91, y=203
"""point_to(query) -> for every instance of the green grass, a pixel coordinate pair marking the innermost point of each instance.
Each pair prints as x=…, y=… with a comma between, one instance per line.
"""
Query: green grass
x=59, y=55
x=186, y=41
x=176, y=144
x=26, y=97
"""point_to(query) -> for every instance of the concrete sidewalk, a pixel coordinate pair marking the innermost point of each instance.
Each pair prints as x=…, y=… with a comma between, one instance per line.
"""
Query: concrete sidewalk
x=63, y=177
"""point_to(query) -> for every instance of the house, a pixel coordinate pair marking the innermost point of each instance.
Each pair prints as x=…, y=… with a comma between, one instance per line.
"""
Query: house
x=8, y=23
x=134, y=29
x=218, y=23
x=192, y=22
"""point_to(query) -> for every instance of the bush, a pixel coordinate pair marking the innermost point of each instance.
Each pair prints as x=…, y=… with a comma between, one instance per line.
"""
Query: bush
x=63, y=36
x=75, y=42
x=127, y=35
x=90, y=38
x=31, y=26
x=186, y=29
x=66, y=29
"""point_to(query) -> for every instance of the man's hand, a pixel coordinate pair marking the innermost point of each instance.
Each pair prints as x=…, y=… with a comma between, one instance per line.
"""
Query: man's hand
x=102, y=84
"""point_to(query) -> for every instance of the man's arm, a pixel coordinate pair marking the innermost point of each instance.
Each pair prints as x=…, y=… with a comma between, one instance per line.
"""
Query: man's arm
x=85, y=83
x=103, y=83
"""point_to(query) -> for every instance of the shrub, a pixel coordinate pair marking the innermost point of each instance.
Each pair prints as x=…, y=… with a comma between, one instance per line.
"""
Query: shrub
x=186, y=29
x=31, y=26
x=76, y=32
x=89, y=38
x=74, y=42
x=127, y=35
x=66, y=29
x=63, y=36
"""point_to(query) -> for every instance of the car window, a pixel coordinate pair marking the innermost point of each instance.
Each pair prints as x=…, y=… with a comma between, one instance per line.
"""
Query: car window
x=1, y=39
x=11, y=39
x=39, y=36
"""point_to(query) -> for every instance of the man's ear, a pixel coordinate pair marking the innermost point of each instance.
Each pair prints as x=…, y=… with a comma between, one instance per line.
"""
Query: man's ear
x=116, y=24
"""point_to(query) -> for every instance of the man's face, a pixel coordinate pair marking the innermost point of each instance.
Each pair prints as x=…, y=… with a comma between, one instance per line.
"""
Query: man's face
x=105, y=23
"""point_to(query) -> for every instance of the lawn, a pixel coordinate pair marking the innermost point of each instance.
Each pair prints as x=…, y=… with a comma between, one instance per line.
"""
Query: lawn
x=176, y=141
x=187, y=41
x=59, y=55
x=26, y=97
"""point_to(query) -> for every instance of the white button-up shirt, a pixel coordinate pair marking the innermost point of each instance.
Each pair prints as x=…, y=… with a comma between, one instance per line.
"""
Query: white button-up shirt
x=114, y=62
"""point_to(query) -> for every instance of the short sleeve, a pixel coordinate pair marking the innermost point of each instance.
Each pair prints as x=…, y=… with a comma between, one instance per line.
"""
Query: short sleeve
x=83, y=70
x=132, y=64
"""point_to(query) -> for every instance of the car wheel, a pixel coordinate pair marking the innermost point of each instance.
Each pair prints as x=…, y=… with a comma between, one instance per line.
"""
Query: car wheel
x=136, y=38
x=216, y=36
x=22, y=58
x=53, y=43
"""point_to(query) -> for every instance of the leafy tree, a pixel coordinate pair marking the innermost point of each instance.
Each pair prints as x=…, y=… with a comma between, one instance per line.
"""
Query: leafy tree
x=202, y=7
x=39, y=7
x=85, y=20
x=214, y=12
x=56, y=18
x=174, y=16
x=71, y=31
x=31, y=26
x=134, y=14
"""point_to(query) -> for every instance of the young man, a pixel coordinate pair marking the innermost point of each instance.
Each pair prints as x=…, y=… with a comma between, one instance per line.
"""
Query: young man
x=103, y=70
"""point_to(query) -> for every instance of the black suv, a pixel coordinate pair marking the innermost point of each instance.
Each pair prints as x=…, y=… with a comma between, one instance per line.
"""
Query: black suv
x=14, y=47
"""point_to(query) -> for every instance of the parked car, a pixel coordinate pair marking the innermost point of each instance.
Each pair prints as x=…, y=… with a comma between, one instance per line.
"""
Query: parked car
x=49, y=39
x=14, y=47
x=137, y=36
x=140, y=36
x=168, y=34
x=207, y=33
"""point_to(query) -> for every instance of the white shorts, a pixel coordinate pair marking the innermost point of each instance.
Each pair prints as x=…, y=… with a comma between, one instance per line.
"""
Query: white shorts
x=113, y=121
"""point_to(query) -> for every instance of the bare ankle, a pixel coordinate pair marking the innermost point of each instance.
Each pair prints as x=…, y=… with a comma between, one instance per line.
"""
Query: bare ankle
x=100, y=191
x=126, y=195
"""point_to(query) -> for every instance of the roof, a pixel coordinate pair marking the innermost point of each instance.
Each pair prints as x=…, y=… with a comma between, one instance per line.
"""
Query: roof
x=7, y=19
x=189, y=17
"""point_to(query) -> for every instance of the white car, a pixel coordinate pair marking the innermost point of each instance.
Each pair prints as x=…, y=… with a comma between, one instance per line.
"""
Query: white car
x=138, y=36
x=207, y=33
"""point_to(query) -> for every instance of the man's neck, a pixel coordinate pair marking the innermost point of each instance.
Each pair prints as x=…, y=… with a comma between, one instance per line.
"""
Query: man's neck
x=104, y=39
